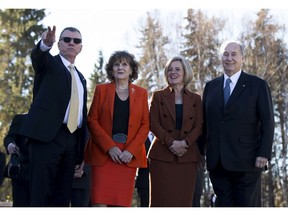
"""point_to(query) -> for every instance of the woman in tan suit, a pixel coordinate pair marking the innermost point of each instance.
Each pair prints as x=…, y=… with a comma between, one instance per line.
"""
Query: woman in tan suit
x=118, y=122
x=176, y=120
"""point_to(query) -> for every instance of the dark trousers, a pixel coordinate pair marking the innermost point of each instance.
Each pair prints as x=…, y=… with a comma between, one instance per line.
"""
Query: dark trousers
x=142, y=185
x=198, y=188
x=235, y=189
x=20, y=193
x=80, y=197
x=144, y=196
x=52, y=169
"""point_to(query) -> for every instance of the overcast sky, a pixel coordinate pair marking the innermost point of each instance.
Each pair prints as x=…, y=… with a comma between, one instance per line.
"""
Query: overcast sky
x=111, y=25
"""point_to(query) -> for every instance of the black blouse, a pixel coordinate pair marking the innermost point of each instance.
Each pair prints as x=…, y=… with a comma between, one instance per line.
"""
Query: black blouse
x=120, y=116
x=179, y=116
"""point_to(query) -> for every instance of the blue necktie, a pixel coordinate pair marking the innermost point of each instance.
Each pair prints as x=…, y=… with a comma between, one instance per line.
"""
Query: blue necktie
x=227, y=90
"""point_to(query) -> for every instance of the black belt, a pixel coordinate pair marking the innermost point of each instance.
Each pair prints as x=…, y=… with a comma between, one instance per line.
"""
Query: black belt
x=119, y=137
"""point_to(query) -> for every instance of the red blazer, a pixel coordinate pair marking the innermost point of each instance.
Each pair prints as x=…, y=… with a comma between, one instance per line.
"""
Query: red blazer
x=100, y=120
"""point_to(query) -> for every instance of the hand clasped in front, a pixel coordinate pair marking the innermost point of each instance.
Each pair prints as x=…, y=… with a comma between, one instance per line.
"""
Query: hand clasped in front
x=118, y=156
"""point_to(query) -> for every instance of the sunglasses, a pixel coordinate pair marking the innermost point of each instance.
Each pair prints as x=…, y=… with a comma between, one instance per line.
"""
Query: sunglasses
x=68, y=40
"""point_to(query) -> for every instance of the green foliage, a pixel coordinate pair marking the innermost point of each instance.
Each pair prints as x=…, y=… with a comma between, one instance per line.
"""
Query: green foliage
x=267, y=56
x=200, y=47
x=98, y=76
x=20, y=29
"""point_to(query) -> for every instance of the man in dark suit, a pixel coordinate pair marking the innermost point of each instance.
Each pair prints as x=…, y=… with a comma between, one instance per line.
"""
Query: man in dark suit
x=55, y=147
x=239, y=133
x=14, y=143
x=142, y=180
x=81, y=187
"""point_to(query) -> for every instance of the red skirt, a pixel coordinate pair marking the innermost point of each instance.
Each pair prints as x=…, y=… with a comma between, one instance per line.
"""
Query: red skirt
x=113, y=183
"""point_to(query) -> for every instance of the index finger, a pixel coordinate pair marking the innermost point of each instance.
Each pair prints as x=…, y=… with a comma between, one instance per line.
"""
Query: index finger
x=53, y=29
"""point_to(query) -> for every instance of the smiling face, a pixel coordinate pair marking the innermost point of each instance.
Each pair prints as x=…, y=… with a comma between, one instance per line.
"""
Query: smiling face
x=232, y=58
x=175, y=73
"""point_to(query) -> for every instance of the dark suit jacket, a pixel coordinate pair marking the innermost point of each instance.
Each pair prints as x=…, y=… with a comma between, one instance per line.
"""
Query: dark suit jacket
x=163, y=120
x=14, y=136
x=51, y=95
x=100, y=123
x=242, y=130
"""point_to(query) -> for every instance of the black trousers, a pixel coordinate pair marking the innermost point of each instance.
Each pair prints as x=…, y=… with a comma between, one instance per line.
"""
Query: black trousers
x=52, y=167
x=20, y=193
x=143, y=193
x=236, y=189
x=80, y=197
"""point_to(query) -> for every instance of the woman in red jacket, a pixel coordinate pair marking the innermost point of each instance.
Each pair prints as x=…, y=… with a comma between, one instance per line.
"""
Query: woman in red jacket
x=118, y=121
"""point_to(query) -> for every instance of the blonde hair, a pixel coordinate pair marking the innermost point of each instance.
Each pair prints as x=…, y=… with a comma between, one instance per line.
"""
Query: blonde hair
x=188, y=73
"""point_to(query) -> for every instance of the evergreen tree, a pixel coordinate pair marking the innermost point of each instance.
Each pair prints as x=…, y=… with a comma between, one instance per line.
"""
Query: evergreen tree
x=266, y=56
x=20, y=29
x=152, y=57
x=201, y=46
x=97, y=77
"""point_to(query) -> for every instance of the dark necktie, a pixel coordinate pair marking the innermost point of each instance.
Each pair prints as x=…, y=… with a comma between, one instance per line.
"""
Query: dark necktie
x=74, y=103
x=227, y=90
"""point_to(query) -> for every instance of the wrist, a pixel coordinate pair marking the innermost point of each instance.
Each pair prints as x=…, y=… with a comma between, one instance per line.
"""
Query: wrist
x=11, y=144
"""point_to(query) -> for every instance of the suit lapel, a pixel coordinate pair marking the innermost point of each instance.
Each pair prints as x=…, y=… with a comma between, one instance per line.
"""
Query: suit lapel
x=65, y=71
x=239, y=88
x=132, y=97
x=111, y=91
x=188, y=104
x=219, y=92
x=169, y=101
x=81, y=77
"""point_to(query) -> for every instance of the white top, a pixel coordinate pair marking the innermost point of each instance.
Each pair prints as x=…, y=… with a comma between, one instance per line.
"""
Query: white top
x=234, y=79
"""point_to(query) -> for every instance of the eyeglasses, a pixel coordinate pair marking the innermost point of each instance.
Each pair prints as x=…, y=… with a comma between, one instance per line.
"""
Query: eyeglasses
x=68, y=40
